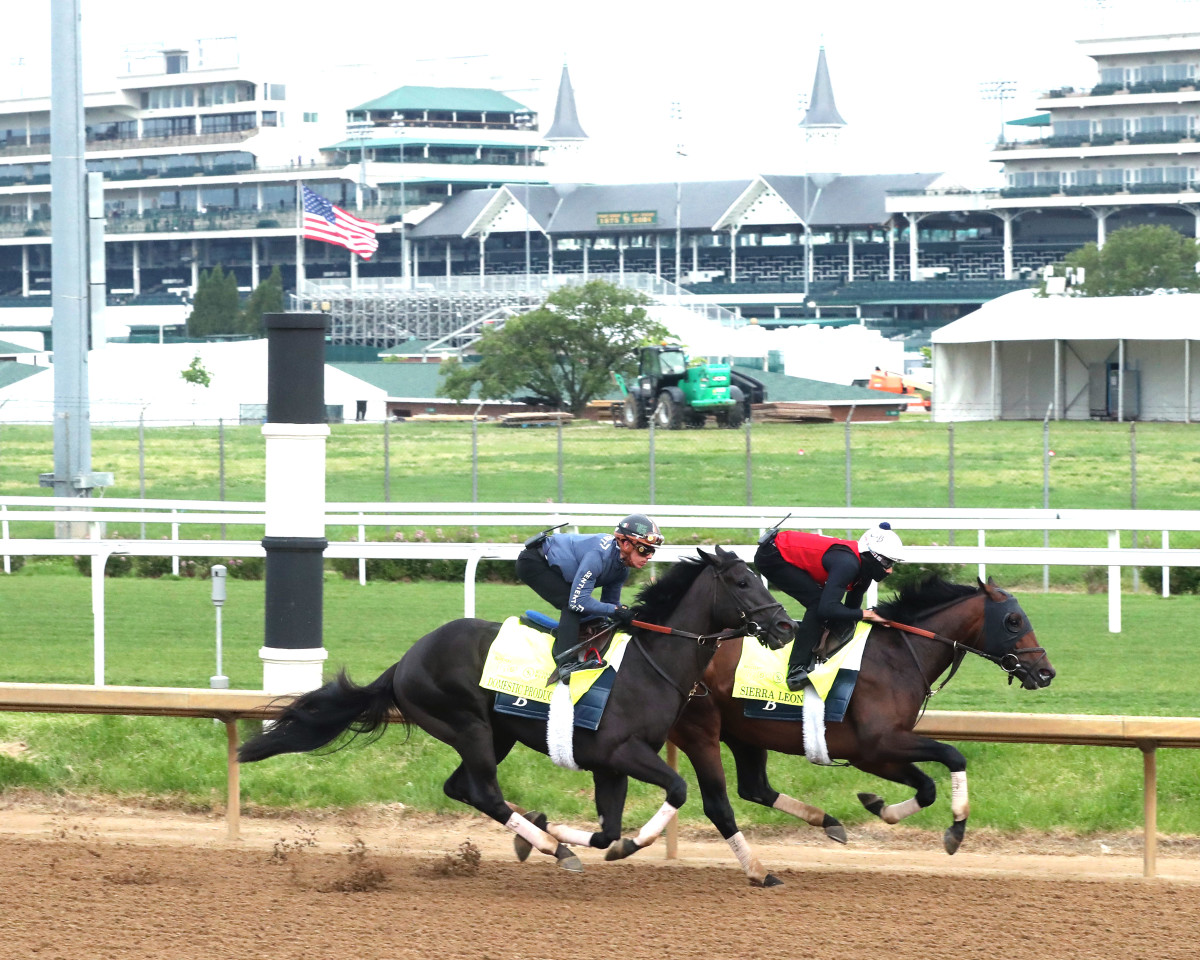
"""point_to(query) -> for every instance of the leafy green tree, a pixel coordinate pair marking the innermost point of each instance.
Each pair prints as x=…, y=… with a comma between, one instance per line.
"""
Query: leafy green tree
x=267, y=297
x=1135, y=261
x=215, y=307
x=196, y=374
x=562, y=354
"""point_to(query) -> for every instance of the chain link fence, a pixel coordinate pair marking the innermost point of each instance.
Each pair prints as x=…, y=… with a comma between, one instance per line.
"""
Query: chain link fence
x=912, y=462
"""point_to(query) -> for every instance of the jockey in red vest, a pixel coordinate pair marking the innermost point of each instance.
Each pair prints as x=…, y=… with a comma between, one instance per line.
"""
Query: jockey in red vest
x=829, y=577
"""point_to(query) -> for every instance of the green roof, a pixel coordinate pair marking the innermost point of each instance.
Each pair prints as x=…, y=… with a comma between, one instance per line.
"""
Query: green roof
x=1037, y=120
x=784, y=389
x=444, y=98
x=6, y=347
x=13, y=372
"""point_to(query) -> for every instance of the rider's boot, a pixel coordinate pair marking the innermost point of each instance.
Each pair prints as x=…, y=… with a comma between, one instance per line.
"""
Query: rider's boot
x=567, y=650
x=802, y=661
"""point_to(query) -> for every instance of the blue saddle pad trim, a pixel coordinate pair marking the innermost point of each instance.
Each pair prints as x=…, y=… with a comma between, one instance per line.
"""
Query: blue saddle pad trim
x=772, y=710
x=588, y=710
x=837, y=701
x=541, y=620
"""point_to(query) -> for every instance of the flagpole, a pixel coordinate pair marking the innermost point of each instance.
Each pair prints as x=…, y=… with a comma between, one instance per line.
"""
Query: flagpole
x=299, y=244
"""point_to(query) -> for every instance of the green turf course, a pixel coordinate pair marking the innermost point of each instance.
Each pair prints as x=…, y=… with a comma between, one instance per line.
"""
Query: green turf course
x=161, y=633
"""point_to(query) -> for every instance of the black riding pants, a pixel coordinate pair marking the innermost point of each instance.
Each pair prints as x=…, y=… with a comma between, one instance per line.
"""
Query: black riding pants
x=548, y=583
x=801, y=587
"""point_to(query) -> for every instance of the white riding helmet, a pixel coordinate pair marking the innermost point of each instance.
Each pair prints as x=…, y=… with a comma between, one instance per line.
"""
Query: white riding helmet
x=883, y=542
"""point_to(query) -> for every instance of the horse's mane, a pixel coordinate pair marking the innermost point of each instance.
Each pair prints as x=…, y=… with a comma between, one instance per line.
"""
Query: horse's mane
x=657, y=600
x=915, y=598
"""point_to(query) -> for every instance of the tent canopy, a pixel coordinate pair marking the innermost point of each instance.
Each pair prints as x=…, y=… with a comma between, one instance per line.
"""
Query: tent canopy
x=1019, y=356
x=1023, y=316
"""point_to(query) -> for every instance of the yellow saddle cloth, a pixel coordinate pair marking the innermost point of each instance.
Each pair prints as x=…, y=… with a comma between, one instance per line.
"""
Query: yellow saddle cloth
x=761, y=674
x=519, y=661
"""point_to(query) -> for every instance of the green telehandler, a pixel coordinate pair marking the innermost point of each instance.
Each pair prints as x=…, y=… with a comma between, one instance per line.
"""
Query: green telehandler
x=678, y=393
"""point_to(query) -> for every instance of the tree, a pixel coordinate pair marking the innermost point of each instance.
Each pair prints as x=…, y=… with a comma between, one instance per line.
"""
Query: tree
x=267, y=297
x=1135, y=261
x=195, y=373
x=215, y=306
x=562, y=354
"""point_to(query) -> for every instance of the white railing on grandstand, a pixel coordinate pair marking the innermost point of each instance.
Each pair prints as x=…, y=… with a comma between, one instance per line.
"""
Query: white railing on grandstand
x=652, y=285
x=97, y=514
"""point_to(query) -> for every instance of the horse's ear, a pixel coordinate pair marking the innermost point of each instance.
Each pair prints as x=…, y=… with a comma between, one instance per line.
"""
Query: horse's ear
x=990, y=588
x=706, y=557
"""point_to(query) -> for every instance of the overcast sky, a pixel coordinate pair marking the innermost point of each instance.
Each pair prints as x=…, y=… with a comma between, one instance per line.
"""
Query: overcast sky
x=906, y=73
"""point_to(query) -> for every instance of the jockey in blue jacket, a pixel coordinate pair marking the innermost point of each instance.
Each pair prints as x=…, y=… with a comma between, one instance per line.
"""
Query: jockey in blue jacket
x=565, y=570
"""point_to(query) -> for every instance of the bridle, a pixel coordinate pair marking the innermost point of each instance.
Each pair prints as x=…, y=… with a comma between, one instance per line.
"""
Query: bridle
x=1004, y=622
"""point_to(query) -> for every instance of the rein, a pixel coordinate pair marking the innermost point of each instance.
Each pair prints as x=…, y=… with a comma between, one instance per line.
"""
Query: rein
x=751, y=629
x=1008, y=662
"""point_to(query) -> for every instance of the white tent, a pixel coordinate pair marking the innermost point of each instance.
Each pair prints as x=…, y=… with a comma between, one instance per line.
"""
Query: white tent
x=1080, y=358
x=129, y=381
x=813, y=352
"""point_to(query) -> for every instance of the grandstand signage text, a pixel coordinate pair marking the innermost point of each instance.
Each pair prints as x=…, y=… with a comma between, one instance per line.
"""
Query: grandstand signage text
x=628, y=218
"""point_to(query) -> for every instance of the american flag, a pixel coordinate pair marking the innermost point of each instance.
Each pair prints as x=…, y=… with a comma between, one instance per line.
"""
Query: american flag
x=324, y=221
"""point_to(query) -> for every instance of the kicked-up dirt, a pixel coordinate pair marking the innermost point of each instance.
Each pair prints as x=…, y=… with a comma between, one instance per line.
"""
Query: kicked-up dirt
x=85, y=880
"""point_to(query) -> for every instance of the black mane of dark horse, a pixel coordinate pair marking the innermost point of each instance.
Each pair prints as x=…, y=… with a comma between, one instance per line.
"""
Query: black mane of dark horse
x=925, y=594
x=657, y=599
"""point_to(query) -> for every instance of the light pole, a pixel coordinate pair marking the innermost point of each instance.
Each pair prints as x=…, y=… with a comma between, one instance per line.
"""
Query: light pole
x=677, y=118
x=524, y=120
x=358, y=129
x=1000, y=90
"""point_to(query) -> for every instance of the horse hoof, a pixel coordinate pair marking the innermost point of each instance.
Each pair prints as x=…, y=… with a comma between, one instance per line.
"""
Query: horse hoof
x=872, y=801
x=621, y=849
x=567, y=860
x=770, y=880
x=834, y=829
x=953, y=837
x=523, y=847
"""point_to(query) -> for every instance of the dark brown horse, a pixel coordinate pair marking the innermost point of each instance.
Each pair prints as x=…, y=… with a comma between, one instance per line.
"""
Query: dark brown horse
x=703, y=600
x=896, y=677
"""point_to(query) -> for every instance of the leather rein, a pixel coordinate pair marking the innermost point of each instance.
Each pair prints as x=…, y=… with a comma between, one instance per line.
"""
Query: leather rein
x=1008, y=662
x=750, y=629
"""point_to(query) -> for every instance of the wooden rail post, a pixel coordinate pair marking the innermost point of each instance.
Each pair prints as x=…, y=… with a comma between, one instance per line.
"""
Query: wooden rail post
x=1149, y=805
x=673, y=826
x=233, y=794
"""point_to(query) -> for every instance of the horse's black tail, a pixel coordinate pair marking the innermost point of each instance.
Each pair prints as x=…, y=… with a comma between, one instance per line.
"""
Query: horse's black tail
x=320, y=716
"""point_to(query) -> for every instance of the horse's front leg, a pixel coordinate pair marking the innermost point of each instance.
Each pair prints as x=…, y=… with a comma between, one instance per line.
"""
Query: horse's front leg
x=921, y=749
x=610, y=792
x=637, y=759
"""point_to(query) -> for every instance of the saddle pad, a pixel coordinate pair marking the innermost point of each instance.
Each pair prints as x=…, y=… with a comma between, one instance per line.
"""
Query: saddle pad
x=588, y=709
x=761, y=680
x=519, y=661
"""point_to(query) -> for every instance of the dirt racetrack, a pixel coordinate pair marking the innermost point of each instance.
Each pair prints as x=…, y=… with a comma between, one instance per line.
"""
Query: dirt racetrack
x=83, y=881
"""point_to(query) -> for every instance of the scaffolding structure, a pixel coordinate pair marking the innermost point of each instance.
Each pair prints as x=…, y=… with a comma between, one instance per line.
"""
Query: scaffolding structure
x=384, y=312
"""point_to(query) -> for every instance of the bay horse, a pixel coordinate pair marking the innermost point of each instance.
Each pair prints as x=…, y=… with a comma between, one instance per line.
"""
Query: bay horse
x=698, y=603
x=895, y=680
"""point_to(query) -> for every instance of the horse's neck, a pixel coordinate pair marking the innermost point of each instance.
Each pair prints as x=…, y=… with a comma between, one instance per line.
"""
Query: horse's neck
x=961, y=622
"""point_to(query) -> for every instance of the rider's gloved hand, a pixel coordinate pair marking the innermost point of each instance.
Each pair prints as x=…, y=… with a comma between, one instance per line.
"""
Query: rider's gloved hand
x=622, y=615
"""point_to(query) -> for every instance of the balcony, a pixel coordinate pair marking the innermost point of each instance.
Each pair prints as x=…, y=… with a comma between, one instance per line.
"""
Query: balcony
x=135, y=143
x=170, y=220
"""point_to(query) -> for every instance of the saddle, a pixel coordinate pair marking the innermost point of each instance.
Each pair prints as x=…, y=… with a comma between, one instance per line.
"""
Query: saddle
x=833, y=638
x=596, y=632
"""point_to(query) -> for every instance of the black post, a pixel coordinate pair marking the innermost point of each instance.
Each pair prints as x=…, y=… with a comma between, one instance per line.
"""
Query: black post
x=295, y=433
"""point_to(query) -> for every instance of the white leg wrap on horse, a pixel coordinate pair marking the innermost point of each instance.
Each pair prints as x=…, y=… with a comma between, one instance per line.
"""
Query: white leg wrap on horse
x=540, y=840
x=655, y=825
x=895, y=812
x=960, y=806
x=741, y=850
x=572, y=835
x=801, y=811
